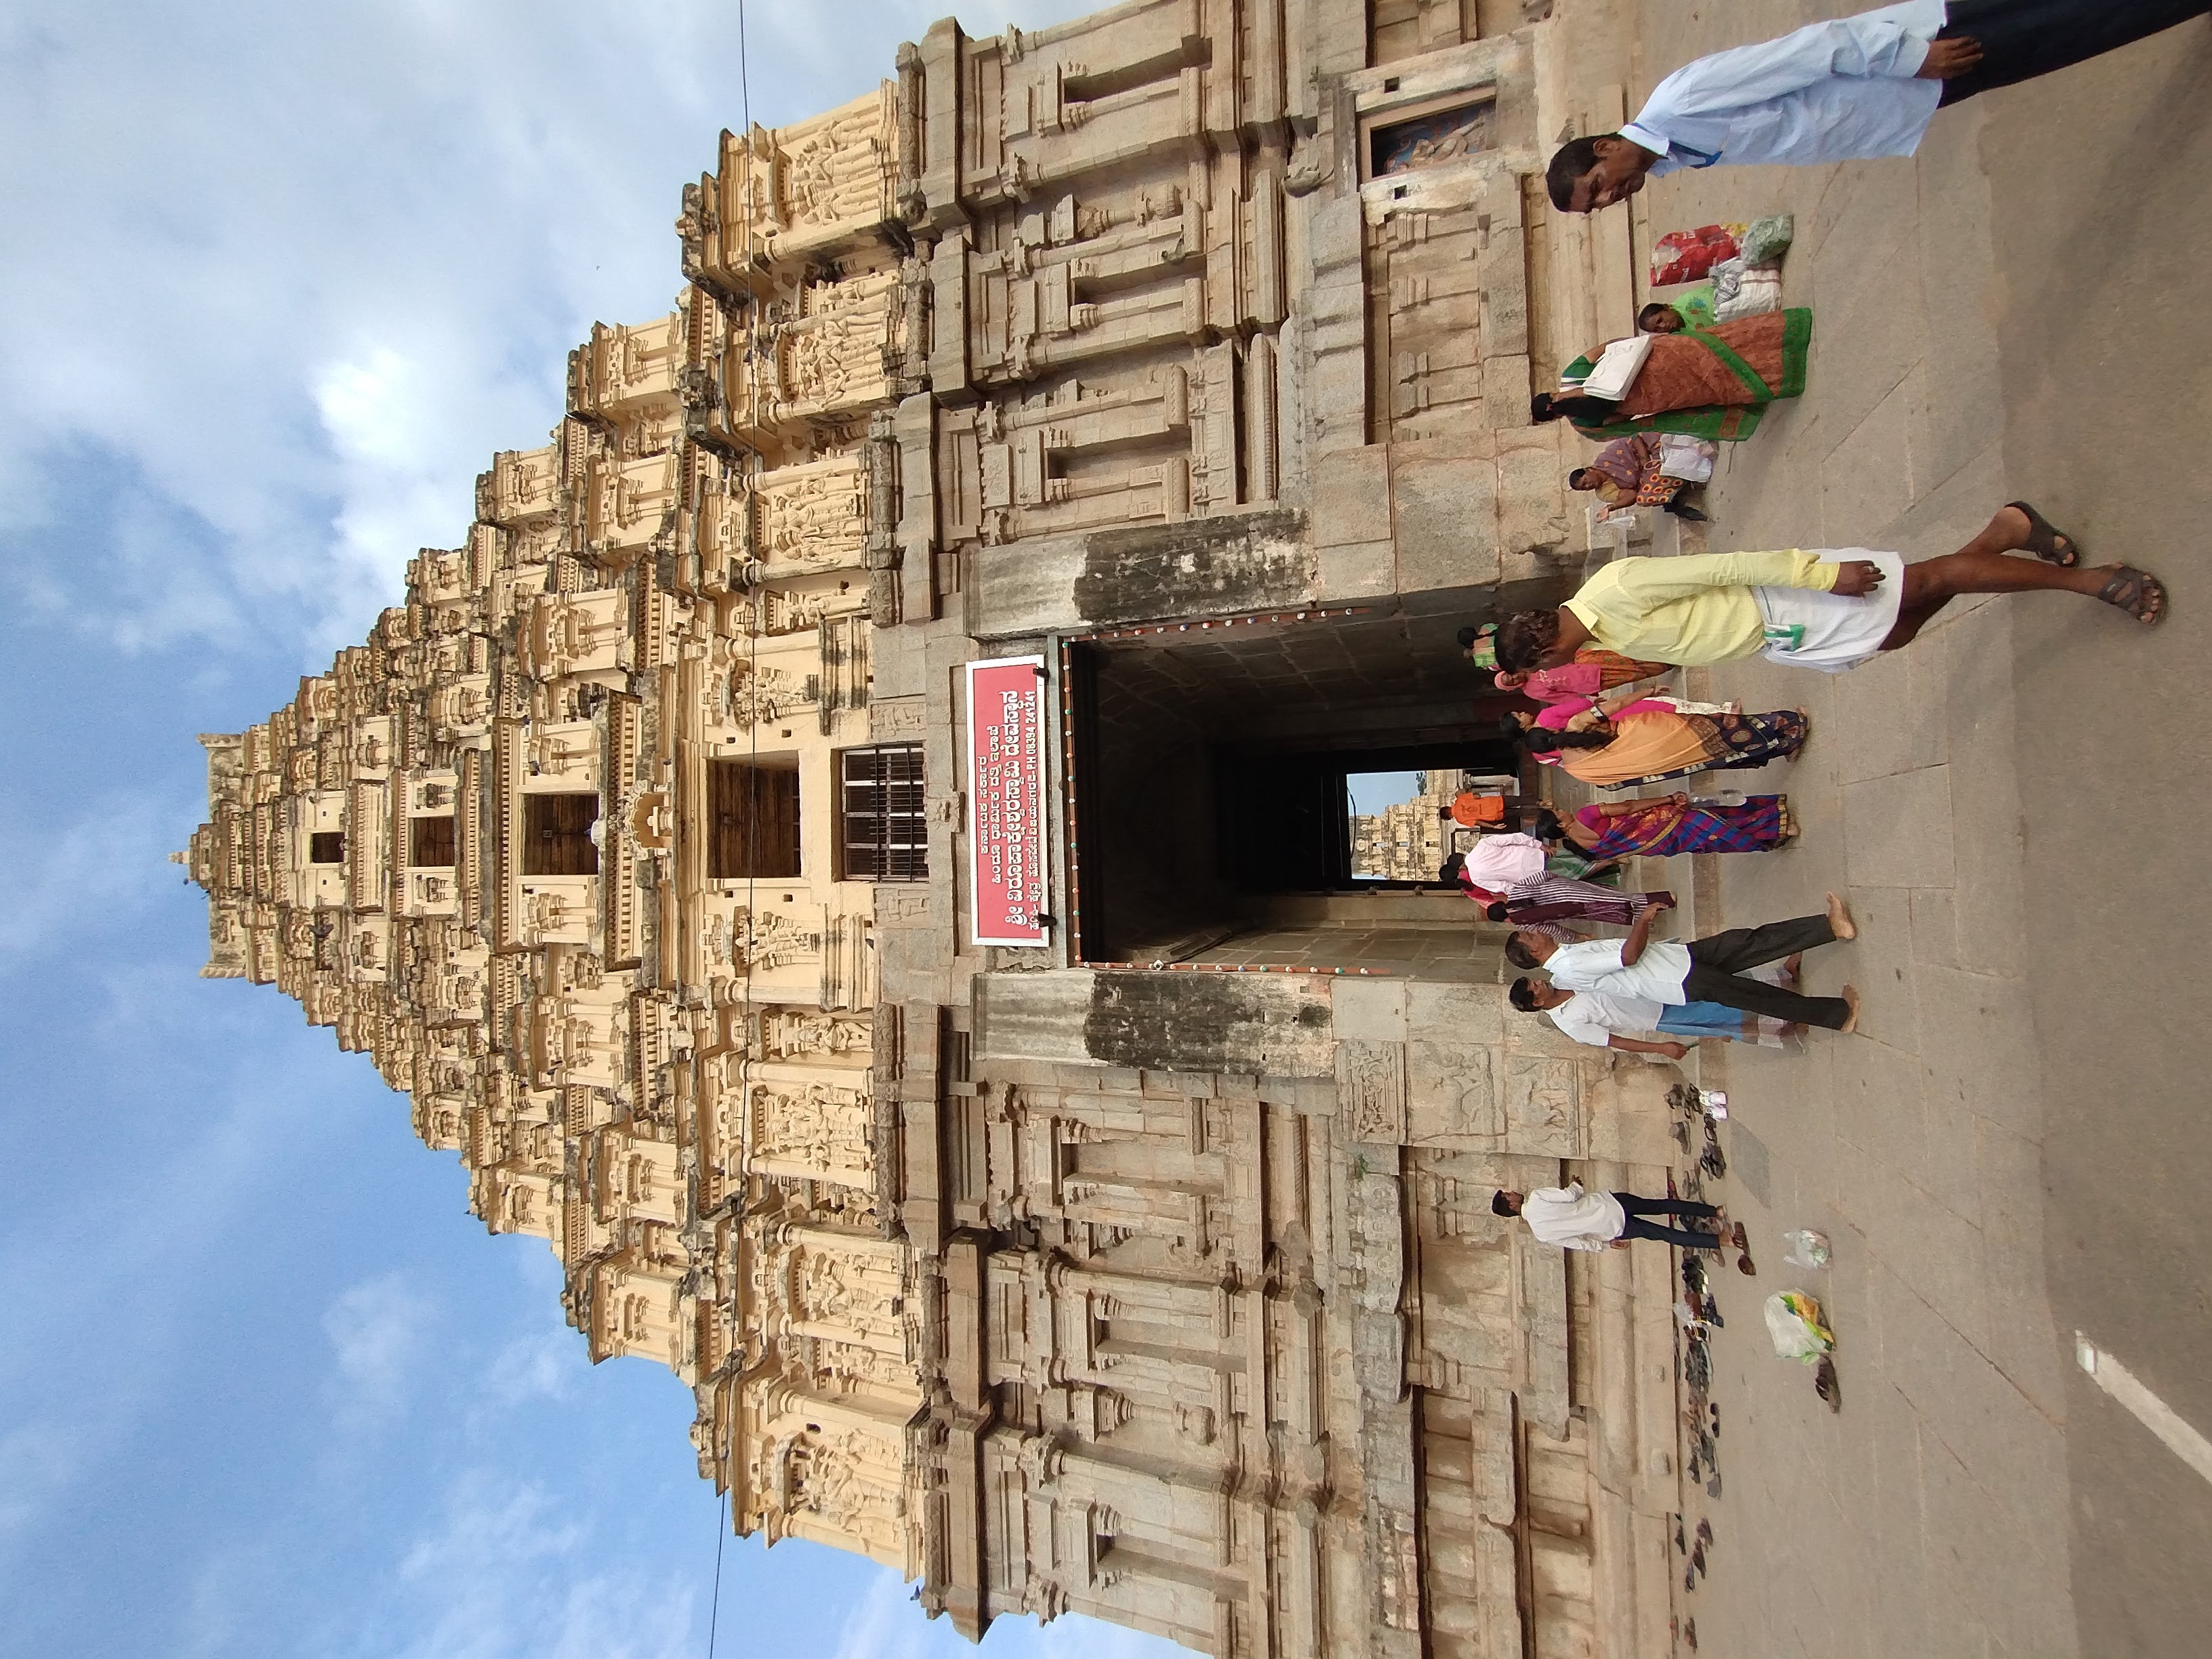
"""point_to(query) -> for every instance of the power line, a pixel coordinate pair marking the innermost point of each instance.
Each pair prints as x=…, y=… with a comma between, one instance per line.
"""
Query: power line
x=715, y=1616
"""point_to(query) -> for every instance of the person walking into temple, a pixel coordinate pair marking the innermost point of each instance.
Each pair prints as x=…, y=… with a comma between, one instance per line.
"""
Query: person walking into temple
x=1829, y=609
x=1712, y=969
x=1852, y=89
x=1495, y=863
x=1655, y=744
x=1537, y=900
x=1576, y=1220
x=1665, y=827
x=1591, y=672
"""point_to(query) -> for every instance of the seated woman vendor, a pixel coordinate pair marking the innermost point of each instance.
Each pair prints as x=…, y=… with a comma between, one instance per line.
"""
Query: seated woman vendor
x=1627, y=473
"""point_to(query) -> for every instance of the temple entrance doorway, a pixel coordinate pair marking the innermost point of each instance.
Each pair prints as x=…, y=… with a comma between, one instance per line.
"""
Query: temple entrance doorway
x=1221, y=771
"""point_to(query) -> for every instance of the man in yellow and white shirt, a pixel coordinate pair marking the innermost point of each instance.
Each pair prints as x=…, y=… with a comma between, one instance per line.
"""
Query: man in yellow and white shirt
x=1829, y=609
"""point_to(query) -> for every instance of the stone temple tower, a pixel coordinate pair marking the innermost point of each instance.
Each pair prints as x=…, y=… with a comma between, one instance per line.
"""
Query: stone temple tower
x=1118, y=1242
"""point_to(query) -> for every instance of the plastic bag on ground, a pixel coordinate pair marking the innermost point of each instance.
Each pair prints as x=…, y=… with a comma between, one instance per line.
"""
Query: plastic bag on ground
x=1805, y=1247
x=1795, y=1324
x=1767, y=239
x=1684, y=256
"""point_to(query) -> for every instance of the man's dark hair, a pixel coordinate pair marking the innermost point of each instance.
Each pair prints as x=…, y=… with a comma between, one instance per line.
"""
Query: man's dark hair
x=1501, y=1203
x=1523, y=995
x=1495, y=911
x=1518, y=953
x=1543, y=409
x=1525, y=636
x=1451, y=868
x=1467, y=637
x=1569, y=163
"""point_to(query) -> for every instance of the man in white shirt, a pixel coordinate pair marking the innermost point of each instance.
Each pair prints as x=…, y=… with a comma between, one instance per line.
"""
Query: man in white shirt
x=1849, y=89
x=1598, y=1018
x=1496, y=863
x=1576, y=1220
x=1705, y=970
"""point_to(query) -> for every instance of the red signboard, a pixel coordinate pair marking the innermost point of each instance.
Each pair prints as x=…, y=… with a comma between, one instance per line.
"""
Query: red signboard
x=1005, y=800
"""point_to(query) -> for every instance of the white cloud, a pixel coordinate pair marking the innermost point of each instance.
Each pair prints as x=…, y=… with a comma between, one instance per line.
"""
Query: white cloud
x=505, y=1577
x=299, y=271
x=106, y=862
x=541, y=1365
x=376, y=1331
x=885, y=1624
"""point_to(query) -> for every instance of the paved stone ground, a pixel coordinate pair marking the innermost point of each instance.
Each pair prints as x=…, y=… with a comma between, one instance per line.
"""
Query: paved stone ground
x=2010, y=1150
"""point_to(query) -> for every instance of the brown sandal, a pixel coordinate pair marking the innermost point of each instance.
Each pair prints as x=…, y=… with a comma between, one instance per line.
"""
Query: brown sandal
x=2138, y=592
x=2045, y=540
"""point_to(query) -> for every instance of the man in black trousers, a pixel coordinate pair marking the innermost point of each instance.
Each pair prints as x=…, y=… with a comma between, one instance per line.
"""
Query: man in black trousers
x=1708, y=969
x=1850, y=88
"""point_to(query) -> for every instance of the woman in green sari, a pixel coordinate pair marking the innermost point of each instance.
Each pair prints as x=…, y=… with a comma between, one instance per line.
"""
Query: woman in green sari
x=1712, y=383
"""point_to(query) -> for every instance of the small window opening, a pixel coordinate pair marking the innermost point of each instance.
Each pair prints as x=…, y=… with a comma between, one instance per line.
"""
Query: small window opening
x=327, y=847
x=430, y=843
x=753, y=808
x=556, y=835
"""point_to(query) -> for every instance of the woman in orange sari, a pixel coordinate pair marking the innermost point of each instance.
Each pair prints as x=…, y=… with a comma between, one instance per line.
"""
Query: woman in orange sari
x=1707, y=382
x=1653, y=745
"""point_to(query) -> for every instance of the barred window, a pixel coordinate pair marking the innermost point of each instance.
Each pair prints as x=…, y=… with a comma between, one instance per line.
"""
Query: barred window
x=881, y=833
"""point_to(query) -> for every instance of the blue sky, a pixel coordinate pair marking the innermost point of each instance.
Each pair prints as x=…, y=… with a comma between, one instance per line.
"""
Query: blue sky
x=277, y=281
x=1370, y=791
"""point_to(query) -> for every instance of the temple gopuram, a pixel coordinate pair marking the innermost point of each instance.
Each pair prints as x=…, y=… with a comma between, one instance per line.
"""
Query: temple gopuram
x=848, y=846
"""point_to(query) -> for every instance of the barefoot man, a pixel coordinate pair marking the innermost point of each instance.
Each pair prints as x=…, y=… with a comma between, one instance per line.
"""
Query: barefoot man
x=1712, y=969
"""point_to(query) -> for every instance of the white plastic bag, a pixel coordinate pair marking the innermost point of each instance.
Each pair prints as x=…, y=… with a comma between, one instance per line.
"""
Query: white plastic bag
x=1805, y=1247
x=1691, y=459
x=1794, y=1325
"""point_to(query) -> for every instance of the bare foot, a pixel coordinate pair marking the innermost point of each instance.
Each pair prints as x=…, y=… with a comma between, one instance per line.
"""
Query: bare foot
x=1851, y=1000
x=1839, y=918
x=1794, y=965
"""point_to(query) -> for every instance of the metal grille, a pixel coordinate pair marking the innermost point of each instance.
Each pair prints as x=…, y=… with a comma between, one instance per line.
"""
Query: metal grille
x=880, y=826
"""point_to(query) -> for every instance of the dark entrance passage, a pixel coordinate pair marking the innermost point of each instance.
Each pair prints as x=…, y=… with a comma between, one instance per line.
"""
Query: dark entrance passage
x=1210, y=777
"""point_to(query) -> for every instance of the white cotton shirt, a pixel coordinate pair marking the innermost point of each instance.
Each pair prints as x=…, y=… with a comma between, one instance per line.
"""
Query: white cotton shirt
x=1593, y=1017
x=1596, y=965
x=1494, y=863
x=1839, y=91
x=1571, y=1217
